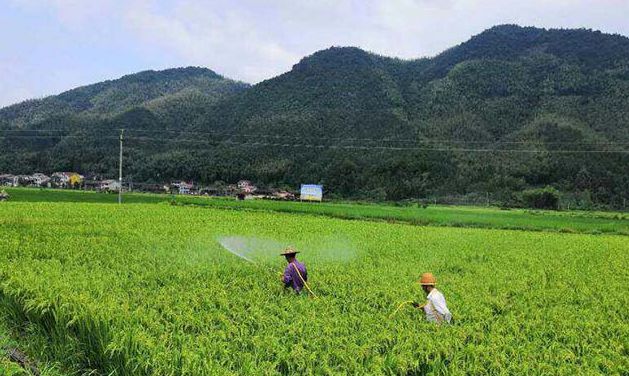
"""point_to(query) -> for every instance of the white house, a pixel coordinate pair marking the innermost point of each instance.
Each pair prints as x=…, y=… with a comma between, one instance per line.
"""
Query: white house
x=9, y=180
x=39, y=179
x=184, y=188
x=245, y=186
x=60, y=179
x=109, y=185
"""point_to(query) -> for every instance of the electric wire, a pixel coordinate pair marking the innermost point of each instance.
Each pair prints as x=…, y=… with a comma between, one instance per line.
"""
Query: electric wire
x=339, y=146
x=275, y=136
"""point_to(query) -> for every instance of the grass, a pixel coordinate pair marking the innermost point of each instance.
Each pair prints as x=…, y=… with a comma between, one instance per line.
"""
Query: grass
x=66, y=195
x=147, y=289
x=31, y=344
x=453, y=216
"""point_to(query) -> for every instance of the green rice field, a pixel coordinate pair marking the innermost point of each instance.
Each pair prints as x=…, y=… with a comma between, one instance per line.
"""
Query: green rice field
x=148, y=289
x=451, y=216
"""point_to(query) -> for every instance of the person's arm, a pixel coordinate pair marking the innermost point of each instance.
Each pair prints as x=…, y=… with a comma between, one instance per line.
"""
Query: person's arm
x=287, y=278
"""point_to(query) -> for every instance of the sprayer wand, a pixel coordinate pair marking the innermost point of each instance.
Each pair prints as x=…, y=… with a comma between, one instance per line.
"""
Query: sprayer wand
x=402, y=305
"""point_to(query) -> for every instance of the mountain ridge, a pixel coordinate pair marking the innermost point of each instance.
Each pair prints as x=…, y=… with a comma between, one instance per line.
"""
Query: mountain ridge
x=114, y=96
x=370, y=126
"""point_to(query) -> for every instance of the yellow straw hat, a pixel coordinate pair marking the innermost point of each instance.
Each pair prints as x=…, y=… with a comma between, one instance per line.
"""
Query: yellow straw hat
x=427, y=279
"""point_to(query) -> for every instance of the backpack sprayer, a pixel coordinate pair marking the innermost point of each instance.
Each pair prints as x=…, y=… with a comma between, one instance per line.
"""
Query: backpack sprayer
x=305, y=283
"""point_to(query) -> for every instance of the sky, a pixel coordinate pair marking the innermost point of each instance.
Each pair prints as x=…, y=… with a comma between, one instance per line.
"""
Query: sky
x=49, y=46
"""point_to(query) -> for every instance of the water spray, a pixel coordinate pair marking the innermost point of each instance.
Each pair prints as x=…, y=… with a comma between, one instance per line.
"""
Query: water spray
x=237, y=254
x=224, y=242
x=231, y=244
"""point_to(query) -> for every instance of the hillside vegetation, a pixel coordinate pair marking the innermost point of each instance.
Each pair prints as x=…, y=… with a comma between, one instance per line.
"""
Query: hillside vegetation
x=510, y=109
x=160, y=91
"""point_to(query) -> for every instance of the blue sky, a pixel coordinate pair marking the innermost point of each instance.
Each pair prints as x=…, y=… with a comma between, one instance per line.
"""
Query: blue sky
x=49, y=46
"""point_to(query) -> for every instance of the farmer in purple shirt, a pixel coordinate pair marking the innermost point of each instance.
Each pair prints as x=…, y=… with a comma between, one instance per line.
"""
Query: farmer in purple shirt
x=295, y=274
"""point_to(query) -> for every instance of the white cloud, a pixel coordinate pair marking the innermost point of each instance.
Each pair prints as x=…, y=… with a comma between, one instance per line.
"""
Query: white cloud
x=227, y=41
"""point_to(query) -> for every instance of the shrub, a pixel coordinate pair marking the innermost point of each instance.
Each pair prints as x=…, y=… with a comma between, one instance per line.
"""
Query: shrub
x=541, y=198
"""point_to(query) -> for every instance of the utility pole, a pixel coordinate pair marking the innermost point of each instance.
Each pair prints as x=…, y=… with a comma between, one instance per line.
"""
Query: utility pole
x=120, y=170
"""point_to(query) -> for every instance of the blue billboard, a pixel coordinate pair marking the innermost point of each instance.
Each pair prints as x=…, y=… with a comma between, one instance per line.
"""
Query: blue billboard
x=311, y=192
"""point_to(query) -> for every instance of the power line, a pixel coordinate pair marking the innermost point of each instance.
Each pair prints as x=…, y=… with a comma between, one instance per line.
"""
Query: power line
x=281, y=137
x=57, y=136
x=419, y=141
x=33, y=130
x=346, y=147
x=362, y=147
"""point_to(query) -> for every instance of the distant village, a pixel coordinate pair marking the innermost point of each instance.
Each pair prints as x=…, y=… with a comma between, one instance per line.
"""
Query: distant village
x=243, y=190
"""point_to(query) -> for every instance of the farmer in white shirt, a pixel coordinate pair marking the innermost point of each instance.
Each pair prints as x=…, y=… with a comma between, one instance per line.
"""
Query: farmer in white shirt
x=435, y=307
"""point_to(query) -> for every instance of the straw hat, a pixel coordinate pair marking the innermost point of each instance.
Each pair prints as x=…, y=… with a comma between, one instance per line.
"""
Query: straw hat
x=428, y=279
x=290, y=250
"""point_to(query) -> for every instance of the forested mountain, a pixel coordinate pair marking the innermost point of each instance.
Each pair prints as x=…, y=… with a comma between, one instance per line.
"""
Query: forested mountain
x=160, y=91
x=510, y=109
